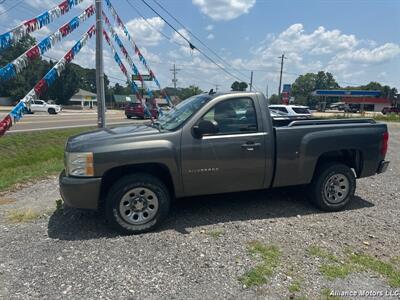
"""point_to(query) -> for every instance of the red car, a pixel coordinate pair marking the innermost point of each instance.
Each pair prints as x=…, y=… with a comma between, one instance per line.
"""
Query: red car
x=137, y=110
x=388, y=110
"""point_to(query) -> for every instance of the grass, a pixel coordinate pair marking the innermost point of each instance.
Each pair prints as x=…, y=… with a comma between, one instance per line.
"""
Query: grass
x=319, y=252
x=373, y=264
x=357, y=262
x=22, y=216
x=378, y=117
x=295, y=286
x=333, y=271
x=26, y=156
x=216, y=233
x=260, y=274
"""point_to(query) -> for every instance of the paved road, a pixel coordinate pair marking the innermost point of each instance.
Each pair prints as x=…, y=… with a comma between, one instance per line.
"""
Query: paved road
x=43, y=121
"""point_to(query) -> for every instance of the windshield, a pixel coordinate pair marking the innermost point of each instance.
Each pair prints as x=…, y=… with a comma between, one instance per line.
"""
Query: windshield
x=183, y=111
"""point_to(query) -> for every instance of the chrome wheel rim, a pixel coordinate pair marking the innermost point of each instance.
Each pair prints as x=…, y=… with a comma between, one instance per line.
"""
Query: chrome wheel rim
x=336, y=188
x=138, y=206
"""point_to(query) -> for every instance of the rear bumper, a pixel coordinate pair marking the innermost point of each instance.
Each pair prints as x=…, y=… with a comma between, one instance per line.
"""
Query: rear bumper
x=80, y=192
x=134, y=114
x=383, y=165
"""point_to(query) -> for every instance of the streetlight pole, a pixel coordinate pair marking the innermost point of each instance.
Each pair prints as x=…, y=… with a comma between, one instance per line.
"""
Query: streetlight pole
x=101, y=118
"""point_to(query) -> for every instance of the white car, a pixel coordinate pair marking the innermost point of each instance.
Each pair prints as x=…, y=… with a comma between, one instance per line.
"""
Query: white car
x=292, y=110
x=42, y=106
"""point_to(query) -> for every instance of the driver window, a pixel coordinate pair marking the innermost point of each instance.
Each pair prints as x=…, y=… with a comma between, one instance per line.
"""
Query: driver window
x=234, y=116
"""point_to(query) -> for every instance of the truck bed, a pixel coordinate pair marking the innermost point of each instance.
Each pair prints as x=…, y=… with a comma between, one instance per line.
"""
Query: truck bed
x=300, y=144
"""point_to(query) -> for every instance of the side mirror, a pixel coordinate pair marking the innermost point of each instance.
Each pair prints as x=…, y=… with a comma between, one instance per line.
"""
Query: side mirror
x=205, y=127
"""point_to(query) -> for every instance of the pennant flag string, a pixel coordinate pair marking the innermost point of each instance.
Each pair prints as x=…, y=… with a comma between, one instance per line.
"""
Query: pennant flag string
x=136, y=48
x=11, y=70
x=38, y=90
x=126, y=55
x=133, y=85
x=29, y=26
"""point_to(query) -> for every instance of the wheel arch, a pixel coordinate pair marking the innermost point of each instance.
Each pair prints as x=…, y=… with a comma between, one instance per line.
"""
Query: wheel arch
x=157, y=170
x=353, y=158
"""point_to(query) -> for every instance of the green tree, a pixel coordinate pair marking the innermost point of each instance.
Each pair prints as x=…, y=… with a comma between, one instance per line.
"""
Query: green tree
x=190, y=91
x=305, y=84
x=274, y=99
x=239, y=86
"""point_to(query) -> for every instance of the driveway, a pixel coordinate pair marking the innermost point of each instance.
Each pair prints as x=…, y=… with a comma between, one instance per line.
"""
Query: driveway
x=205, y=250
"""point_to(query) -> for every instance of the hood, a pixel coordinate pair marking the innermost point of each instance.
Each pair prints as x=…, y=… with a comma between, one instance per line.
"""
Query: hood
x=106, y=136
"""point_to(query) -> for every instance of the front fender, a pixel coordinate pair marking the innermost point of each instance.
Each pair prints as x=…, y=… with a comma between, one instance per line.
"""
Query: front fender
x=161, y=152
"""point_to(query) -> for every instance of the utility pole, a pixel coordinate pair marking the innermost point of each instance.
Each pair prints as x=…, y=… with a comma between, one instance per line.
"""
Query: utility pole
x=174, y=72
x=101, y=118
x=251, y=81
x=216, y=87
x=280, y=77
x=267, y=91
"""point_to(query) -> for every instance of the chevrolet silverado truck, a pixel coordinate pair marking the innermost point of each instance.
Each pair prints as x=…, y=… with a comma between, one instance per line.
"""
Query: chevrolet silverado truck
x=216, y=143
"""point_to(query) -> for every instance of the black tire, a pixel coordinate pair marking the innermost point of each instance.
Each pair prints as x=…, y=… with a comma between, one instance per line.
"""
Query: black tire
x=333, y=186
x=129, y=117
x=51, y=111
x=120, y=189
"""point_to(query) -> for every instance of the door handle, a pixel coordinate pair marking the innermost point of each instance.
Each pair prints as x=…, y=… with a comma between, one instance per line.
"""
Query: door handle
x=250, y=146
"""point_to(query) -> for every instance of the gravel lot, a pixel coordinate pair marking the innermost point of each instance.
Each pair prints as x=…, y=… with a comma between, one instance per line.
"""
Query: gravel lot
x=202, y=249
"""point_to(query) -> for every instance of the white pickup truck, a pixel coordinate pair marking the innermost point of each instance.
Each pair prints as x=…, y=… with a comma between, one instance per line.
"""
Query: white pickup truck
x=42, y=106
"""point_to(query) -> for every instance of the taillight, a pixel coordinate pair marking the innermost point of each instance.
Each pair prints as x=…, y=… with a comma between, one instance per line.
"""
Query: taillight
x=385, y=143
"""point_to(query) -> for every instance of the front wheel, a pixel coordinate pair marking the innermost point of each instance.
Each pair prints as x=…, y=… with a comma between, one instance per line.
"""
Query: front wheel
x=333, y=186
x=52, y=111
x=137, y=203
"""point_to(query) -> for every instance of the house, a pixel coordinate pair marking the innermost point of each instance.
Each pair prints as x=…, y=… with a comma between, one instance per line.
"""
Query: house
x=84, y=99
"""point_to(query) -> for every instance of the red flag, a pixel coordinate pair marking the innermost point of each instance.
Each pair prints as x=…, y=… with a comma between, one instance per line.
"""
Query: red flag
x=40, y=87
x=69, y=56
x=30, y=25
x=33, y=53
x=64, y=7
x=65, y=30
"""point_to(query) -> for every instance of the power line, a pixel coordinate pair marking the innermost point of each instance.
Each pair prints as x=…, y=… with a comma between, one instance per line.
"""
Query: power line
x=198, y=39
x=154, y=28
x=11, y=7
x=193, y=47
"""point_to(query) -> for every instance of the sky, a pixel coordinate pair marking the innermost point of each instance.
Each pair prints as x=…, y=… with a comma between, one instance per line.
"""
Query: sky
x=358, y=40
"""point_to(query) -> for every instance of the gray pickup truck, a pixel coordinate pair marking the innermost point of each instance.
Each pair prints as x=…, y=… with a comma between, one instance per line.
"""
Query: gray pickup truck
x=216, y=143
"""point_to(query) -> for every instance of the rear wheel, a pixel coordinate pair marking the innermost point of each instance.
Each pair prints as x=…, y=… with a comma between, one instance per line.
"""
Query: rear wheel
x=137, y=203
x=333, y=186
x=129, y=117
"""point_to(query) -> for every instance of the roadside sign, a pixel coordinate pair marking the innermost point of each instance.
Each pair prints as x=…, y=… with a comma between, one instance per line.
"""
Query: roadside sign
x=144, y=77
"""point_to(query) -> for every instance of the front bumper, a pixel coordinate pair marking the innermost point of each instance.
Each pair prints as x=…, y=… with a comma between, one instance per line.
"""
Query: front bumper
x=80, y=192
x=383, y=165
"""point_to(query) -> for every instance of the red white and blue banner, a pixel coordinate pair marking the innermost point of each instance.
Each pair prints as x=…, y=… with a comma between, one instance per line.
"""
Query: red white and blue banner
x=119, y=22
x=38, y=90
x=123, y=69
x=12, y=69
x=32, y=25
x=126, y=55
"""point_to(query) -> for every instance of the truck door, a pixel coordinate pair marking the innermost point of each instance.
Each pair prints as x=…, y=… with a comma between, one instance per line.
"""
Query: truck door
x=232, y=159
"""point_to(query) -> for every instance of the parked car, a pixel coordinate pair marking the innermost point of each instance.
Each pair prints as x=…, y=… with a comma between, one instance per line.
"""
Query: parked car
x=391, y=110
x=136, y=110
x=203, y=146
x=42, y=106
x=292, y=110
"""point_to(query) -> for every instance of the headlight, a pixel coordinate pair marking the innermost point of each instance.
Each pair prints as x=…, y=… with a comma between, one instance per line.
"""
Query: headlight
x=79, y=164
